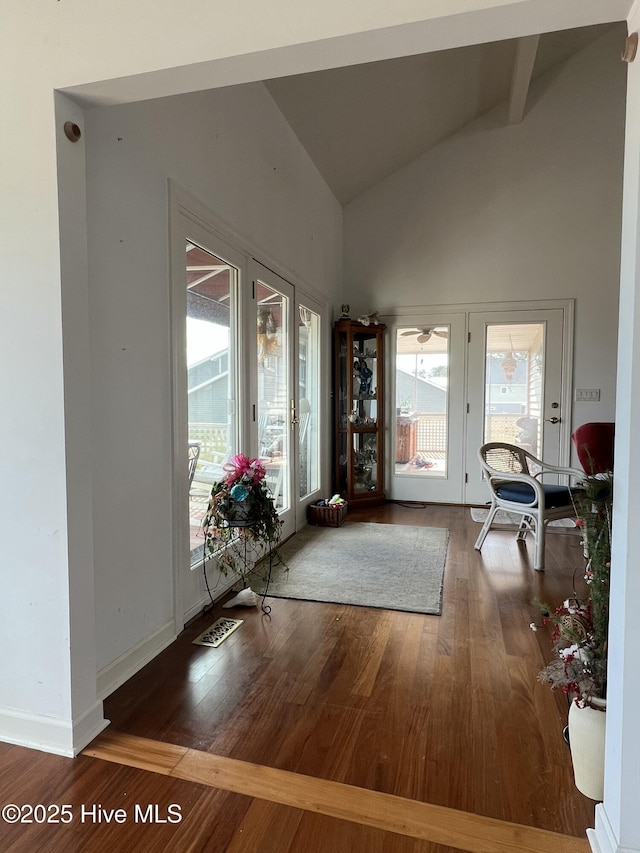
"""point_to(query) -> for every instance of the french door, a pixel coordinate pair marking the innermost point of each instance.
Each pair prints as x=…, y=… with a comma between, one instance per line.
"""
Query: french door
x=286, y=390
x=247, y=366
x=461, y=379
x=273, y=409
x=518, y=387
x=427, y=432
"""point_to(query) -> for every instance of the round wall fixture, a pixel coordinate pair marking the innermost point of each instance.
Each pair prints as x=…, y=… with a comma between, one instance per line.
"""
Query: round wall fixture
x=630, y=48
x=72, y=131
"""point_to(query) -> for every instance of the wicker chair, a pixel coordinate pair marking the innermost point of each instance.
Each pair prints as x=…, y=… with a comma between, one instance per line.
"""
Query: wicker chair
x=194, y=455
x=514, y=477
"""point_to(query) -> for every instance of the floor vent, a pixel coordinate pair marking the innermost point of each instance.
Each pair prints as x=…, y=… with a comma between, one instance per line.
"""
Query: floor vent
x=218, y=632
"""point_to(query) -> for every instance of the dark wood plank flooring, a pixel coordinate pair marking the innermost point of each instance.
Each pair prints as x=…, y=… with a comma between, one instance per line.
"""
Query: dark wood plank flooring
x=445, y=710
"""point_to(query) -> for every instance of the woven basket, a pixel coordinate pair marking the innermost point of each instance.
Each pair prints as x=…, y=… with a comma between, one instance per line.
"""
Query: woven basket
x=327, y=516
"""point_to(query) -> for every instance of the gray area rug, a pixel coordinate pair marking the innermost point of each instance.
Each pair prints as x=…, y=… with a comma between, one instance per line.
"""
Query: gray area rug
x=510, y=519
x=390, y=566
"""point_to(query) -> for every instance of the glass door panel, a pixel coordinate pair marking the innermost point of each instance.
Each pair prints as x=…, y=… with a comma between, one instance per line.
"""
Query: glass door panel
x=422, y=401
x=513, y=380
x=517, y=390
x=308, y=402
x=210, y=337
x=272, y=413
x=275, y=415
x=428, y=421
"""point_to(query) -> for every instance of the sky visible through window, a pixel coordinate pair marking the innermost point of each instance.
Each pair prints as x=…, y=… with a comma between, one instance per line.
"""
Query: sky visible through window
x=204, y=339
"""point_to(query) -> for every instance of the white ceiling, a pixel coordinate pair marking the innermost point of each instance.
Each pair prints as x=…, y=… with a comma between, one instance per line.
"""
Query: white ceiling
x=362, y=123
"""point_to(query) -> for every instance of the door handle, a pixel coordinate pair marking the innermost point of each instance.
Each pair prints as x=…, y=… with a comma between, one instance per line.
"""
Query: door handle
x=552, y=420
x=293, y=417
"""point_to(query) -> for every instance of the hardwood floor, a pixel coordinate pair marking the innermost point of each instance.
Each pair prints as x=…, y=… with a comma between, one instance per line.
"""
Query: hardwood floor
x=442, y=710
x=371, y=809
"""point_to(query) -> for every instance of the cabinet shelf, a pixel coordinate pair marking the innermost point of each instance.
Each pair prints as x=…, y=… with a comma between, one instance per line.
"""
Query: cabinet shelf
x=359, y=414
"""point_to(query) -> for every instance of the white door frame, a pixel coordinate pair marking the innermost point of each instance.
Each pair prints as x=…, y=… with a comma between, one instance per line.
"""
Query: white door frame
x=295, y=517
x=408, y=316
x=417, y=487
x=558, y=385
x=259, y=273
x=189, y=218
x=305, y=300
x=187, y=223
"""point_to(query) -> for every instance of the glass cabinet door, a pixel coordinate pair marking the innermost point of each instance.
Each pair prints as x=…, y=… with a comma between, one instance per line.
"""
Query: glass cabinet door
x=359, y=419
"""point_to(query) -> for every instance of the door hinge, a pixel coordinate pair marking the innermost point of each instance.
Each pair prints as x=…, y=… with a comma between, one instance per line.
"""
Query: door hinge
x=466, y=478
x=253, y=407
x=468, y=409
x=254, y=289
x=468, y=337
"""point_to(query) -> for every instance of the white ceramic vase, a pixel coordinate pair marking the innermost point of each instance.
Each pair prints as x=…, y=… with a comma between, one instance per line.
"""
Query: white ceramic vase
x=586, y=739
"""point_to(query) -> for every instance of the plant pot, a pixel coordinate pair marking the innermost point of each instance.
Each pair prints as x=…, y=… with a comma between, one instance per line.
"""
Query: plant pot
x=239, y=513
x=586, y=740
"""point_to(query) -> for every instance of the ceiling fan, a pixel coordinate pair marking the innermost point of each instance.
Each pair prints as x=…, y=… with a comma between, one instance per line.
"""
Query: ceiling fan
x=423, y=335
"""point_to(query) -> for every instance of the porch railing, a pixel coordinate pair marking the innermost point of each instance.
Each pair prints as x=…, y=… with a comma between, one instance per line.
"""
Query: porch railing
x=212, y=439
x=431, y=430
x=431, y=434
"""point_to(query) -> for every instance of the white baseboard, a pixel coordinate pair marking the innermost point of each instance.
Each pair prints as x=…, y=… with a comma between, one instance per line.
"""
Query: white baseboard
x=196, y=609
x=60, y=737
x=603, y=839
x=114, y=674
x=88, y=726
x=592, y=838
x=221, y=590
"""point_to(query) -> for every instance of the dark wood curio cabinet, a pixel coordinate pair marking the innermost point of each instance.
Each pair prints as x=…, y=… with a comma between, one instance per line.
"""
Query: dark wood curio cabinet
x=359, y=411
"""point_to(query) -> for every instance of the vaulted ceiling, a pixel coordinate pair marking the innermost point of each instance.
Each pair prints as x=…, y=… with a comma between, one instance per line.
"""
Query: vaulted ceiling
x=361, y=123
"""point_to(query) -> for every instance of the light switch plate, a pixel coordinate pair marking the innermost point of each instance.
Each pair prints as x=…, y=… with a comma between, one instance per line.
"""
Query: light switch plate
x=587, y=395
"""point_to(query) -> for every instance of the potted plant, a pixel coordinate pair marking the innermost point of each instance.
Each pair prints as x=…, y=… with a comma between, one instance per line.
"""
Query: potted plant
x=241, y=524
x=580, y=628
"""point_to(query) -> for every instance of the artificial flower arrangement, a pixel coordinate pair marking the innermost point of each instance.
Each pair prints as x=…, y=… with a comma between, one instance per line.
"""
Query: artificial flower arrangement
x=241, y=512
x=580, y=627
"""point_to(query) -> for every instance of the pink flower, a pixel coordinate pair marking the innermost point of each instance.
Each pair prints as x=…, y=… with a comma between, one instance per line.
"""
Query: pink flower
x=258, y=471
x=240, y=465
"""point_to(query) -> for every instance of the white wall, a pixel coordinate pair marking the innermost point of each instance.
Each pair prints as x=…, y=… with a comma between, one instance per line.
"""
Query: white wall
x=120, y=51
x=94, y=47
x=501, y=213
x=232, y=150
x=36, y=702
x=617, y=819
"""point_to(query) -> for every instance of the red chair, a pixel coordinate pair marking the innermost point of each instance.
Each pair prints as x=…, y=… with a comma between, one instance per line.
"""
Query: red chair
x=594, y=446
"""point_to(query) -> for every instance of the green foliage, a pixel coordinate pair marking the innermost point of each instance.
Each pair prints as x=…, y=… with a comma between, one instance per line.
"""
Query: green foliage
x=595, y=510
x=241, y=523
x=580, y=628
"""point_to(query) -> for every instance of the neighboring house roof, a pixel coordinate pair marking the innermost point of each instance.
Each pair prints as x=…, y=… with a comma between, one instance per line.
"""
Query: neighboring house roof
x=207, y=383
x=424, y=395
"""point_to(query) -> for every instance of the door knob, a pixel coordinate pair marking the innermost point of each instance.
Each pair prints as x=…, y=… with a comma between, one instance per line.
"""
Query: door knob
x=552, y=420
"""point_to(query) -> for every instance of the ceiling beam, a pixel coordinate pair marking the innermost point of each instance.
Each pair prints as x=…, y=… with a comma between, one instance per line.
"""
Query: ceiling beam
x=526, y=50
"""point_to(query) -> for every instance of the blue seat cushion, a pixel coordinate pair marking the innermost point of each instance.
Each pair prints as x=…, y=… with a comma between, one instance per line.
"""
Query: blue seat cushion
x=523, y=493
